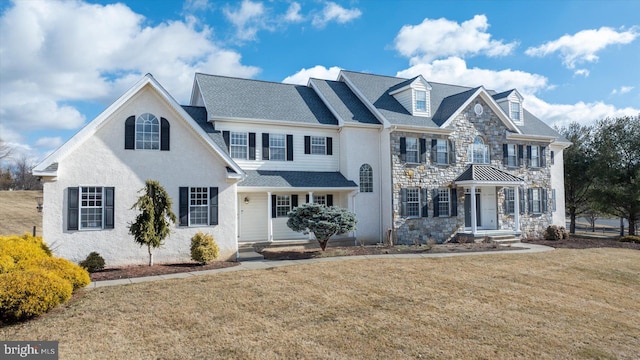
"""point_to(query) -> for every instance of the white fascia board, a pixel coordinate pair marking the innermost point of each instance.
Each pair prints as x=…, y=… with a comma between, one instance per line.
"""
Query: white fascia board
x=410, y=85
x=492, y=104
x=312, y=85
x=271, y=122
x=361, y=125
x=489, y=183
x=422, y=130
x=542, y=138
x=280, y=190
x=373, y=109
x=193, y=90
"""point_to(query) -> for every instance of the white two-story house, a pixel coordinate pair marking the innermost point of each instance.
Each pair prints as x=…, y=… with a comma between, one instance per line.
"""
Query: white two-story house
x=405, y=155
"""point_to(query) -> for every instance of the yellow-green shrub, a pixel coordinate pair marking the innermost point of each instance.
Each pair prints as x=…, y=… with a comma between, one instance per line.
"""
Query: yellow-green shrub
x=22, y=248
x=65, y=269
x=6, y=263
x=630, y=238
x=203, y=248
x=27, y=293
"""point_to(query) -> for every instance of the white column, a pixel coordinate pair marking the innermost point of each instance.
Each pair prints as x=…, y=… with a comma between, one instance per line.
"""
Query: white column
x=516, y=209
x=269, y=219
x=310, y=197
x=474, y=222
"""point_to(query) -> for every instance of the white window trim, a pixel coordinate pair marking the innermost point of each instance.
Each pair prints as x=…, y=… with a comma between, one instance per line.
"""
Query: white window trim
x=510, y=200
x=81, y=207
x=205, y=205
x=417, y=150
x=416, y=201
x=245, y=146
x=442, y=191
x=155, y=144
x=442, y=144
x=272, y=137
x=280, y=205
x=536, y=192
x=318, y=139
x=515, y=155
x=366, y=178
x=512, y=104
x=416, y=92
x=537, y=164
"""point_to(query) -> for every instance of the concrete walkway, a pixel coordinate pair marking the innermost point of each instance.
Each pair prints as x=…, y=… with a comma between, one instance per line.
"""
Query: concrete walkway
x=524, y=248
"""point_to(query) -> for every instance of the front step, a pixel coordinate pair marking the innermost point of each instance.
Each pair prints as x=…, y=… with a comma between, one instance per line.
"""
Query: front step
x=246, y=253
x=504, y=239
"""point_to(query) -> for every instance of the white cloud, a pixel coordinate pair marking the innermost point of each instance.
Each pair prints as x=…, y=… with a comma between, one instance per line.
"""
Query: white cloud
x=48, y=142
x=583, y=45
x=196, y=5
x=293, y=13
x=335, y=12
x=318, y=72
x=440, y=38
x=582, y=72
x=622, y=90
x=580, y=112
x=248, y=19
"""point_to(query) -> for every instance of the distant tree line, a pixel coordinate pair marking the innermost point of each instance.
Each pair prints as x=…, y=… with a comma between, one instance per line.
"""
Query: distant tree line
x=602, y=171
x=15, y=171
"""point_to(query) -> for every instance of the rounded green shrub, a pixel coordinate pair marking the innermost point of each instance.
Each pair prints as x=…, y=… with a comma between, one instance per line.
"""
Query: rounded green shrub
x=65, y=269
x=204, y=248
x=94, y=262
x=28, y=293
x=552, y=233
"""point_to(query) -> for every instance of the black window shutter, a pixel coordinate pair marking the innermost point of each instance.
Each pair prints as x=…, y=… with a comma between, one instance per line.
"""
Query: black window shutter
x=294, y=201
x=403, y=202
x=252, y=146
x=273, y=206
x=423, y=151
x=452, y=152
x=130, y=133
x=72, y=208
x=454, y=202
x=530, y=200
x=522, y=202
x=265, y=146
x=329, y=145
x=403, y=149
x=434, y=151
x=307, y=144
x=543, y=157
x=329, y=200
x=553, y=154
x=289, y=147
x=109, y=201
x=520, y=155
x=528, y=155
x=225, y=136
x=425, y=202
x=544, y=201
x=436, y=203
x=306, y=198
x=164, y=134
x=213, y=206
x=184, y=206
x=505, y=154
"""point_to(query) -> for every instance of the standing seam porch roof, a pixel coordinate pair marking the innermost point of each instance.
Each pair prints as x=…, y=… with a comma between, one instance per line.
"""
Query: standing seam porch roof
x=488, y=173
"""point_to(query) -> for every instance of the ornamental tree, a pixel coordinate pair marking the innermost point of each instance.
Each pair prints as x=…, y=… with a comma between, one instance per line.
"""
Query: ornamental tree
x=152, y=225
x=322, y=221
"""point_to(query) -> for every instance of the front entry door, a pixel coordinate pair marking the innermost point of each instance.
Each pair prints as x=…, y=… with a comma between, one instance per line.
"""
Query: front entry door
x=467, y=210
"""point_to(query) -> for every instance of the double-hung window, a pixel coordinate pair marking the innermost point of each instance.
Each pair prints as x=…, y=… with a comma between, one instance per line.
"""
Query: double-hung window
x=277, y=147
x=413, y=154
x=536, y=201
x=535, y=156
x=91, y=207
x=442, y=151
x=413, y=202
x=283, y=205
x=318, y=145
x=320, y=199
x=239, y=145
x=198, y=206
x=511, y=155
x=444, y=208
x=515, y=111
x=421, y=100
x=478, y=152
x=510, y=200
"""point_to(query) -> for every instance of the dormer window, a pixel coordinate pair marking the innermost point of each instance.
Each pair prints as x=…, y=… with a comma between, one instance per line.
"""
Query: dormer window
x=421, y=100
x=515, y=111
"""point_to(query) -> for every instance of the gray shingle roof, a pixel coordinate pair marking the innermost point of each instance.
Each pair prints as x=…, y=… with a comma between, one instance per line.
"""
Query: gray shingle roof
x=476, y=172
x=450, y=105
x=502, y=95
x=301, y=179
x=228, y=97
x=344, y=102
x=534, y=126
x=199, y=114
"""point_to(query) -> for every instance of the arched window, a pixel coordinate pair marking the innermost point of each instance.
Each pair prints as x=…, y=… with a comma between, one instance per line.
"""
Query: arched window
x=366, y=178
x=147, y=132
x=478, y=152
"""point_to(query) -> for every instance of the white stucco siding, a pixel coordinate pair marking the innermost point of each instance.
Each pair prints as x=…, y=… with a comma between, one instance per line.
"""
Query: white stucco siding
x=102, y=161
x=557, y=184
x=362, y=146
x=301, y=161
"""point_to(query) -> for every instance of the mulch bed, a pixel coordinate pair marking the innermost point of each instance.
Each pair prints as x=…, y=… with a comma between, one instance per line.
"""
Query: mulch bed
x=577, y=242
x=158, y=269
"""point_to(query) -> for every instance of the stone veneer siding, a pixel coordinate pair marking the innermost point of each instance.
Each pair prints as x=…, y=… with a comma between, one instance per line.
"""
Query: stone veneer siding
x=466, y=126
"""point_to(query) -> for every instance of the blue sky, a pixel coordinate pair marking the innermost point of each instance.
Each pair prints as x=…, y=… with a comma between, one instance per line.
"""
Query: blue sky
x=62, y=63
